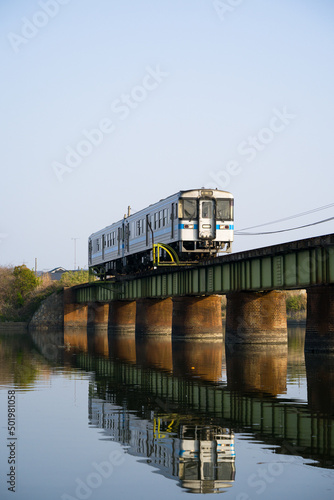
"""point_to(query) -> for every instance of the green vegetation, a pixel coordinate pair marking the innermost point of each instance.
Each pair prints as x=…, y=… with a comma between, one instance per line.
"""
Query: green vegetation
x=296, y=305
x=74, y=278
x=21, y=292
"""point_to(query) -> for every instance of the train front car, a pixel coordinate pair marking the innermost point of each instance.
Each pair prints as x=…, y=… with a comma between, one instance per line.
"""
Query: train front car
x=206, y=222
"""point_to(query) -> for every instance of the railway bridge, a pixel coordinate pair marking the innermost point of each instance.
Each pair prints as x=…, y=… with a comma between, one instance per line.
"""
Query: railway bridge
x=186, y=301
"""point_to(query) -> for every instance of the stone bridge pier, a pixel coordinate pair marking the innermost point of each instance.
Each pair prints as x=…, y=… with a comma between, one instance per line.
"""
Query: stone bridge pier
x=251, y=317
x=256, y=317
x=320, y=319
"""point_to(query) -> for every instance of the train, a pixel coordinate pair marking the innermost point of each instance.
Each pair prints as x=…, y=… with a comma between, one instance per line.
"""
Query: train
x=183, y=228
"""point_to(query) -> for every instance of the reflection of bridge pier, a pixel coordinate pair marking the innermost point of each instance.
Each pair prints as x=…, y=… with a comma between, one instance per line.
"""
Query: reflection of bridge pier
x=257, y=368
x=154, y=352
x=320, y=382
x=142, y=386
x=199, y=358
x=122, y=346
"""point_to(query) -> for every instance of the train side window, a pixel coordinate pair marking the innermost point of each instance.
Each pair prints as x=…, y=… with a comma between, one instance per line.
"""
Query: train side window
x=175, y=211
x=165, y=217
x=98, y=244
x=224, y=209
x=156, y=220
x=160, y=218
x=140, y=227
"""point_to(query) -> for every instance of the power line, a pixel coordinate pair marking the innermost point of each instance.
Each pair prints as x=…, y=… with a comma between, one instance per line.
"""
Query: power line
x=290, y=217
x=240, y=233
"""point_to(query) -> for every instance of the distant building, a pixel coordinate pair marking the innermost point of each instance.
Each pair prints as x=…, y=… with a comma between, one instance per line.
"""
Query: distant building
x=56, y=273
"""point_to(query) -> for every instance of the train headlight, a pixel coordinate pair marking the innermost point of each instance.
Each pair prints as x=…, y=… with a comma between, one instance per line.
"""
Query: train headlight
x=189, y=226
x=222, y=226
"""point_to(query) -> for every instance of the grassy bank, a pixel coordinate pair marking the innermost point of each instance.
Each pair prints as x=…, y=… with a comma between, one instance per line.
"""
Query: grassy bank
x=21, y=293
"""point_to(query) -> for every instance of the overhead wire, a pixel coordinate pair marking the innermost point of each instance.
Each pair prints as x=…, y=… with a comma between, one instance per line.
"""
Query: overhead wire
x=240, y=233
x=290, y=217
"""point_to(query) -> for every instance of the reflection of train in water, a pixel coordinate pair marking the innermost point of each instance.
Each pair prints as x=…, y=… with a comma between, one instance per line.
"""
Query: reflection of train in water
x=207, y=458
x=188, y=225
x=200, y=456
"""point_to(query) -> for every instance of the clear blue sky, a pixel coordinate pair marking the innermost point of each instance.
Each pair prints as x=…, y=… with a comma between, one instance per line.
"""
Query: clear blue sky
x=232, y=94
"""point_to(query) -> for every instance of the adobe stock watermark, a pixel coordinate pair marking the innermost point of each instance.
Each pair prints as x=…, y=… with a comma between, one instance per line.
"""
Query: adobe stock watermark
x=101, y=471
x=30, y=28
x=225, y=7
x=266, y=475
x=121, y=108
x=249, y=149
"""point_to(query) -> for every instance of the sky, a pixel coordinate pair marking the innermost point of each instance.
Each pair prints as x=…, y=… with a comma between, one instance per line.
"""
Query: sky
x=106, y=104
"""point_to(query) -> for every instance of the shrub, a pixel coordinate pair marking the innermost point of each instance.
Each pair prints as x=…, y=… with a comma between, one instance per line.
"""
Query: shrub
x=74, y=278
x=295, y=303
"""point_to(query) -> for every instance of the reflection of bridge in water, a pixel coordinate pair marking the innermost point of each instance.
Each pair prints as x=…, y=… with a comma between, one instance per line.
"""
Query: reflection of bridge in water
x=174, y=404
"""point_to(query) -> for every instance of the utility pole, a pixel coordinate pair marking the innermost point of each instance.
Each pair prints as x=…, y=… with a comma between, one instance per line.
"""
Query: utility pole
x=75, y=252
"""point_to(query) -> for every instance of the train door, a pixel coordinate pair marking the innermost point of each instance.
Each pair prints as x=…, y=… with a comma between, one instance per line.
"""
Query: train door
x=148, y=229
x=172, y=218
x=206, y=221
x=126, y=237
x=103, y=245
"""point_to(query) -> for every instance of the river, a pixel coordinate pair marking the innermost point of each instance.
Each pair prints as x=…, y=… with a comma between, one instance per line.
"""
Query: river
x=87, y=415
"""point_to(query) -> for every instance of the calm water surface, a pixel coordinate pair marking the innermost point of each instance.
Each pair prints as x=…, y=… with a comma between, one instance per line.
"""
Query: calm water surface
x=92, y=416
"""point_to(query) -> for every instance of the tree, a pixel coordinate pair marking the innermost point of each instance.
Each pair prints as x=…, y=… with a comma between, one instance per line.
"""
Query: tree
x=25, y=280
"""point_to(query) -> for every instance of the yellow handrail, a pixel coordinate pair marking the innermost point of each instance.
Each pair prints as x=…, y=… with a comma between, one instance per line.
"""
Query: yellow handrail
x=171, y=252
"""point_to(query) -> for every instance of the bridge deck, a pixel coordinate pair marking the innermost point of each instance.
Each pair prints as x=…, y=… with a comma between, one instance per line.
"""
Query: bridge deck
x=298, y=264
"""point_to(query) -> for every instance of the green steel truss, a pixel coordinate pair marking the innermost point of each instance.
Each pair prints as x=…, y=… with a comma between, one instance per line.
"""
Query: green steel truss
x=294, y=265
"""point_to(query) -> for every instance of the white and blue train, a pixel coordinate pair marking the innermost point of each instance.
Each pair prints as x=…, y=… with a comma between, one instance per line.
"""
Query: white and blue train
x=196, y=224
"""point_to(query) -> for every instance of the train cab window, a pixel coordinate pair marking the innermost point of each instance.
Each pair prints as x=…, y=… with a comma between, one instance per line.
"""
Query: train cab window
x=224, y=209
x=188, y=209
x=207, y=209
